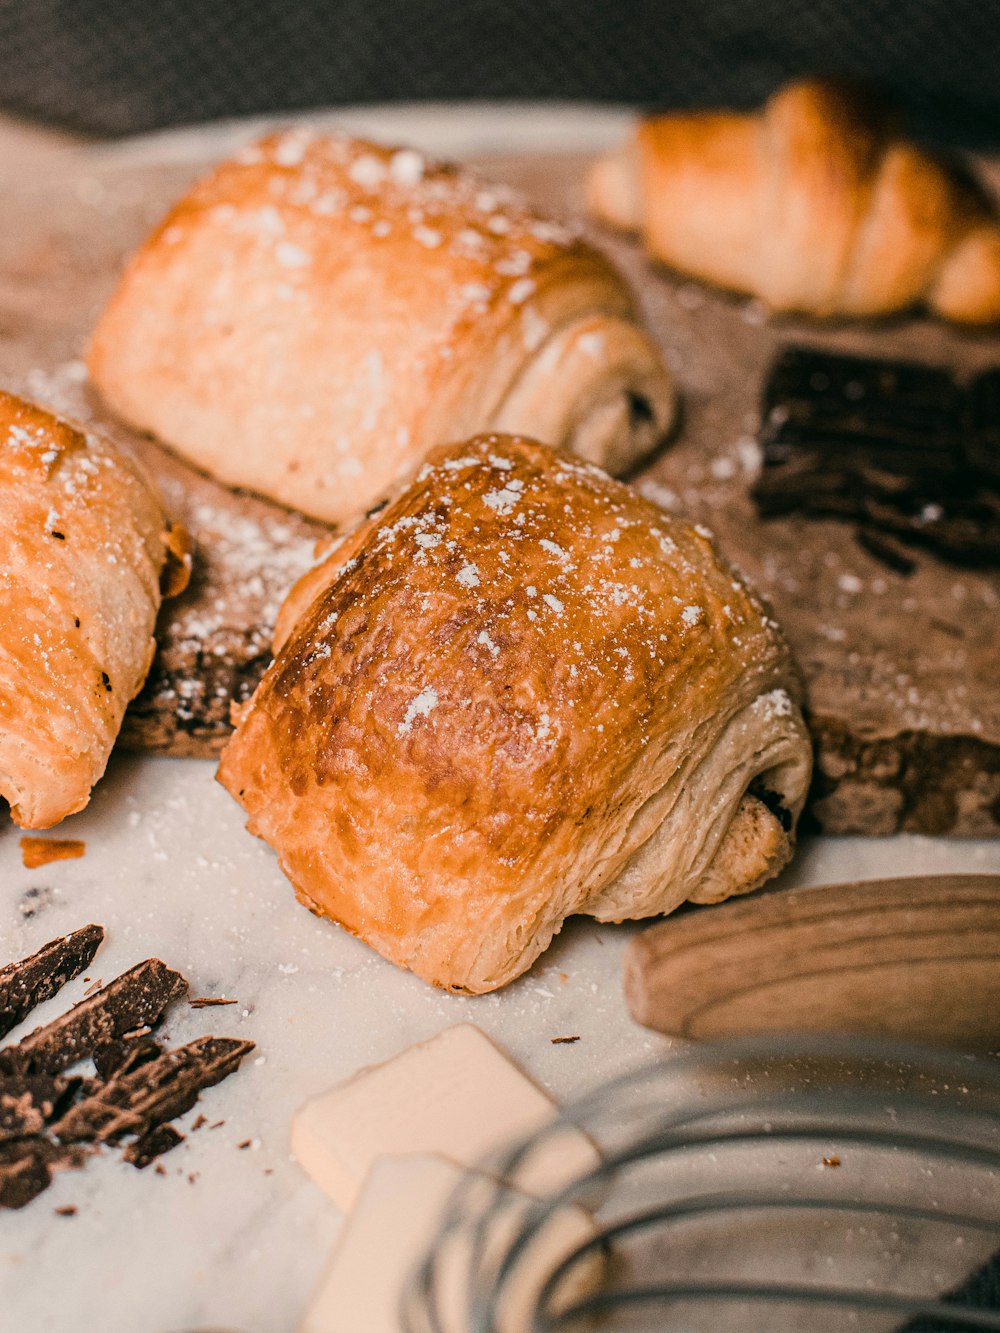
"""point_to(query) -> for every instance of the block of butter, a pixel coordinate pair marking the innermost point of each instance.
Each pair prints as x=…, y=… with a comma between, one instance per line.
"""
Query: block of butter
x=457, y=1095
x=395, y=1219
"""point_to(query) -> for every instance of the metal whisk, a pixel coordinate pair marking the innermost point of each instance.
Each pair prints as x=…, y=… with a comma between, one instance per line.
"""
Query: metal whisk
x=759, y=1184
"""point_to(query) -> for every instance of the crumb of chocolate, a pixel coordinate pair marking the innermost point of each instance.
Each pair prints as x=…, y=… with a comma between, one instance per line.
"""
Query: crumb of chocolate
x=245, y=1144
x=201, y=1120
x=831, y=1161
x=37, y=852
x=563, y=1041
x=67, y=1210
x=206, y=1001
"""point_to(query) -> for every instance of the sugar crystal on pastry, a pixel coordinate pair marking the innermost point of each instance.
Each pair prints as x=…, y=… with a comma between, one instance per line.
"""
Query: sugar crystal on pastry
x=451, y=768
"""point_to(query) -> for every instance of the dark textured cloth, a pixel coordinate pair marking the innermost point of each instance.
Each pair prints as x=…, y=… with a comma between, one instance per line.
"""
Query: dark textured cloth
x=118, y=66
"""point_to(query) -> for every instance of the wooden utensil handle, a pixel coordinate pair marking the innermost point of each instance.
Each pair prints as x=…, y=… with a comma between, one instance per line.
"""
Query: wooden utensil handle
x=916, y=957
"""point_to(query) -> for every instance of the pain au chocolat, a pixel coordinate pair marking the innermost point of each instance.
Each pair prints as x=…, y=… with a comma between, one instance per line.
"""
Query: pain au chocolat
x=84, y=543
x=519, y=692
x=316, y=315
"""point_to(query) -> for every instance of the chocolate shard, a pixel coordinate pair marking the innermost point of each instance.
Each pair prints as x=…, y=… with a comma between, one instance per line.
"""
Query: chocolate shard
x=28, y=983
x=126, y=1054
x=154, y=1143
x=135, y=999
x=28, y=1104
x=902, y=450
x=24, y=1171
x=133, y=1103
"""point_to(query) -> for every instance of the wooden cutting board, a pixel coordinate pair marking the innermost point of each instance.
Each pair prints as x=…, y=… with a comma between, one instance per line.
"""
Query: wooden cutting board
x=901, y=671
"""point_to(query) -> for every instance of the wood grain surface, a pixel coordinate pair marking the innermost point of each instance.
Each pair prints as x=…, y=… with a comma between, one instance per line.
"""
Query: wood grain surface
x=917, y=958
x=900, y=671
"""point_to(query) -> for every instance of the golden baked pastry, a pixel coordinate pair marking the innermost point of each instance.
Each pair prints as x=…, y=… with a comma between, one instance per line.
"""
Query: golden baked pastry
x=519, y=692
x=814, y=204
x=320, y=312
x=84, y=540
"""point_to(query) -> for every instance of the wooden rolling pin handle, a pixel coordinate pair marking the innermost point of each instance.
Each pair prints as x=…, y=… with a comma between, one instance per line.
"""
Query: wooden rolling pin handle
x=916, y=957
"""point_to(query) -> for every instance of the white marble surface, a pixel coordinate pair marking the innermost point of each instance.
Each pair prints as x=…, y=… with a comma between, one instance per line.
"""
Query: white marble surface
x=232, y=1238
x=169, y=870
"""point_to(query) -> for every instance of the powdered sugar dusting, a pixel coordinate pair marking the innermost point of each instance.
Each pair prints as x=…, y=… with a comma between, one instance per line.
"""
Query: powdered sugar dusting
x=422, y=706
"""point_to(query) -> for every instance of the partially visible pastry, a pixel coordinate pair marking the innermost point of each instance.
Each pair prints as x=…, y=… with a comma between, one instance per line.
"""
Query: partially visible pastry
x=519, y=692
x=316, y=315
x=84, y=542
x=814, y=204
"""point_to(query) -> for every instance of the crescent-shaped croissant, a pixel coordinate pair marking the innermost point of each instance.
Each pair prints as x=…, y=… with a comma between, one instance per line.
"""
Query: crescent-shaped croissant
x=814, y=204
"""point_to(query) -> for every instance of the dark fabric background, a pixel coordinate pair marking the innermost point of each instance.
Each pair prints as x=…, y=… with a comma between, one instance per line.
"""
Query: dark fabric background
x=114, y=66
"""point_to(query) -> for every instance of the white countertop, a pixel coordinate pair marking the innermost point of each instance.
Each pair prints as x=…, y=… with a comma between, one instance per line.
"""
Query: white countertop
x=170, y=871
x=234, y=1237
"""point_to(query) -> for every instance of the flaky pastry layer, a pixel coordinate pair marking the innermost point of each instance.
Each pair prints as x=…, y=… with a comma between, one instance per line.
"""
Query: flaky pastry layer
x=518, y=693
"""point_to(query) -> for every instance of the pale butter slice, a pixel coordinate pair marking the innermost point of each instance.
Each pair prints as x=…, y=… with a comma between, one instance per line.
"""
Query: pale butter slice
x=457, y=1095
x=397, y=1215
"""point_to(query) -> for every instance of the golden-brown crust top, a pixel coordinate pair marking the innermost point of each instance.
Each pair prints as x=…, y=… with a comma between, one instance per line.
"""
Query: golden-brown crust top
x=490, y=668
x=83, y=541
x=320, y=311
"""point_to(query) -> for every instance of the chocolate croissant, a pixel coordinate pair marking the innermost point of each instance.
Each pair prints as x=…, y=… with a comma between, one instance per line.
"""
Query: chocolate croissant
x=320, y=312
x=518, y=693
x=84, y=541
x=814, y=204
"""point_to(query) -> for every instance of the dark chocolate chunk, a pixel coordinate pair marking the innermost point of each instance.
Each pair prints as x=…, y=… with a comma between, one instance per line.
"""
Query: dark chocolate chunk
x=160, y=1090
x=899, y=449
x=126, y=1054
x=771, y=800
x=24, y=1170
x=28, y=983
x=138, y=997
x=28, y=1104
x=154, y=1143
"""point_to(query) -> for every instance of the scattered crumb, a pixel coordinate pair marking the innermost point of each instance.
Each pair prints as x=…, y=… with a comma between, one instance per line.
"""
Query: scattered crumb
x=37, y=852
x=68, y=1210
x=205, y=1001
x=563, y=1041
x=245, y=1144
x=831, y=1161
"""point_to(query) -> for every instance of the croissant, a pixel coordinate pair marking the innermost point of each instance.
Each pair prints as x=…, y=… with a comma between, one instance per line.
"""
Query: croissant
x=519, y=692
x=84, y=541
x=815, y=204
x=320, y=312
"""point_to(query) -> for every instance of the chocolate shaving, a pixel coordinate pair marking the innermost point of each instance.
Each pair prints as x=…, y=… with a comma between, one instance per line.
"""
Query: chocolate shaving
x=900, y=449
x=24, y=1171
x=50, y=1122
x=126, y=1054
x=139, y=996
x=154, y=1143
x=166, y=1087
x=206, y=1002
x=28, y=1104
x=563, y=1041
x=26, y=1167
x=33, y=980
